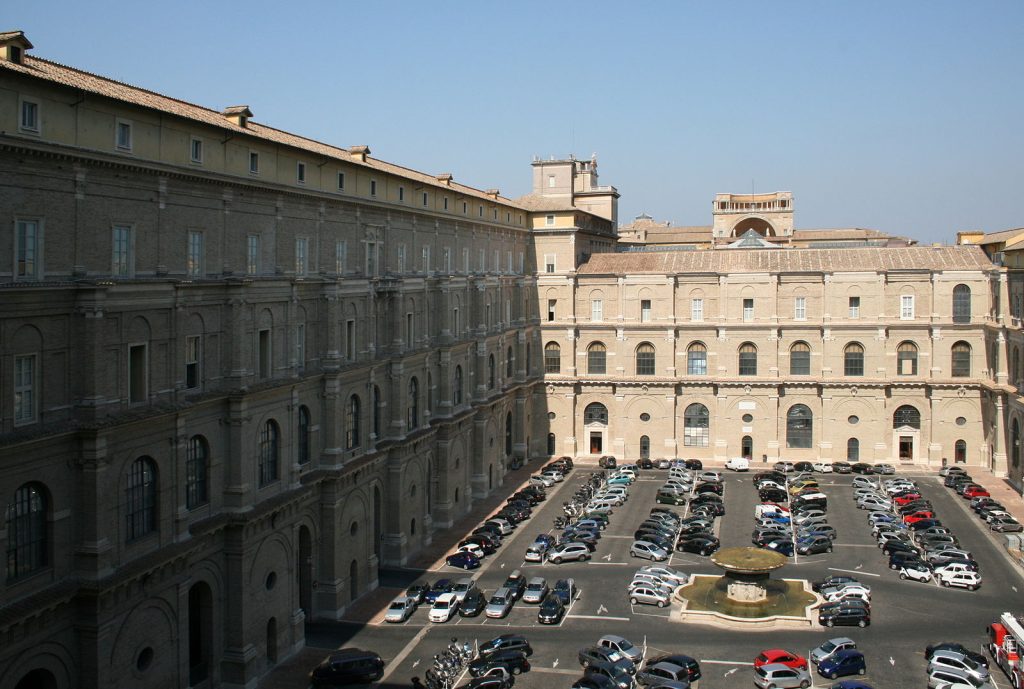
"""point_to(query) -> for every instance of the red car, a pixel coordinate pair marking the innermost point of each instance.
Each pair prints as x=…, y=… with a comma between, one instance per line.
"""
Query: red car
x=976, y=492
x=908, y=497
x=778, y=655
x=918, y=516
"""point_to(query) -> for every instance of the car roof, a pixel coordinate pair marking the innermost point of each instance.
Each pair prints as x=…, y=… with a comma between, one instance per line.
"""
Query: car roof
x=446, y=598
x=536, y=580
x=777, y=667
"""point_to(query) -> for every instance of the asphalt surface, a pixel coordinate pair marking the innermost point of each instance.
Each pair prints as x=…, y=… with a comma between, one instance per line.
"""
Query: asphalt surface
x=906, y=615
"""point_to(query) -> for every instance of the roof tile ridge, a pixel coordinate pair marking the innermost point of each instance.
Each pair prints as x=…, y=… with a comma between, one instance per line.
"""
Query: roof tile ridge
x=429, y=176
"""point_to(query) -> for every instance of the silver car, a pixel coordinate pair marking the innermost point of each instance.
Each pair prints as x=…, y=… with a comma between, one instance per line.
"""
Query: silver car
x=781, y=676
x=500, y=603
x=568, y=551
x=462, y=587
x=830, y=648
x=649, y=595
x=623, y=646
x=957, y=661
x=536, y=589
x=944, y=677
x=400, y=609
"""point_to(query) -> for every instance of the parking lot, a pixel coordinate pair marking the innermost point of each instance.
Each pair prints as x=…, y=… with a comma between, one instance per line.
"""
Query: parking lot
x=906, y=615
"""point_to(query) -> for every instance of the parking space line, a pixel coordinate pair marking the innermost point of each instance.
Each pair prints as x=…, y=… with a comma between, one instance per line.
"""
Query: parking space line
x=726, y=662
x=854, y=571
x=599, y=617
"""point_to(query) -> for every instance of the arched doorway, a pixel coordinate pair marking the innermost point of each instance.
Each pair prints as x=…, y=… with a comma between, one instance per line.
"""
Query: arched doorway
x=37, y=679
x=353, y=580
x=272, y=641
x=747, y=447
x=906, y=431
x=305, y=569
x=200, y=632
x=645, y=447
x=595, y=421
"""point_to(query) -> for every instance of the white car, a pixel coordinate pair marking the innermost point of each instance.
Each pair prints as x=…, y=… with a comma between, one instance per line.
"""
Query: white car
x=443, y=608
x=541, y=480
x=472, y=549
x=603, y=504
x=647, y=551
x=967, y=579
x=555, y=476
x=846, y=591
x=822, y=467
x=666, y=573
x=922, y=574
x=400, y=609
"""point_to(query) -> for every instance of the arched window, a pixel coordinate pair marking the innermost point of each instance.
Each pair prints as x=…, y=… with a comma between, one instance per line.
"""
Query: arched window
x=696, y=426
x=508, y=434
x=140, y=498
x=696, y=360
x=799, y=426
x=960, y=452
x=1015, y=443
x=376, y=410
x=645, y=359
x=352, y=422
x=413, y=404
x=800, y=359
x=961, y=304
x=490, y=372
x=270, y=451
x=748, y=359
x=961, y=360
x=906, y=359
x=552, y=358
x=853, y=360
x=510, y=363
x=430, y=392
x=906, y=416
x=303, y=439
x=457, y=386
x=852, y=450
x=195, y=472
x=528, y=358
x=596, y=358
x=595, y=413
x=27, y=546
x=645, y=447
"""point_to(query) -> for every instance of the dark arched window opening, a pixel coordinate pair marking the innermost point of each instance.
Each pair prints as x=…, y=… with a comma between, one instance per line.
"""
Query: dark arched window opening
x=552, y=358
x=551, y=443
x=853, y=360
x=352, y=422
x=960, y=452
x=595, y=413
x=510, y=363
x=413, y=404
x=27, y=547
x=906, y=416
x=799, y=426
x=457, y=386
x=270, y=451
x=508, y=434
x=961, y=304
x=696, y=360
x=140, y=498
x=303, y=435
x=906, y=359
x=645, y=447
x=645, y=359
x=748, y=359
x=490, y=372
x=800, y=359
x=961, y=360
x=853, y=450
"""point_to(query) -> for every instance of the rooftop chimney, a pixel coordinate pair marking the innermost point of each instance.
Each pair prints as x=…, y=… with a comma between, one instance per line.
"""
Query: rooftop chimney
x=493, y=193
x=359, y=152
x=238, y=114
x=445, y=178
x=13, y=45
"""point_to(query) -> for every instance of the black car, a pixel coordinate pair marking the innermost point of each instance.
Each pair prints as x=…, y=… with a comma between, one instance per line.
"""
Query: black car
x=505, y=642
x=495, y=681
x=645, y=463
x=923, y=524
x=694, y=464
x=551, y=610
x=896, y=545
x=930, y=649
x=639, y=534
x=833, y=580
x=691, y=665
x=762, y=538
x=715, y=488
x=665, y=510
x=565, y=589
x=418, y=591
x=658, y=524
x=702, y=545
x=804, y=466
x=860, y=468
x=513, y=660
x=440, y=586
x=473, y=604
x=902, y=558
x=655, y=538
x=492, y=529
x=348, y=666
x=484, y=544
x=845, y=616
x=606, y=462
x=695, y=530
x=772, y=495
x=516, y=584
x=571, y=535
x=595, y=681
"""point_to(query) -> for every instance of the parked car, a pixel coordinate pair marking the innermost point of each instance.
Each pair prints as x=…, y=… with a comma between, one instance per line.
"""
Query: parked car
x=490, y=681
x=400, y=609
x=673, y=576
x=589, y=655
x=619, y=678
x=949, y=678
x=512, y=661
x=916, y=571
x=446, y=605
x=845, y=615
x=505, y=642
x=418, y=591
x=566, y=590
x=781, y=677
x=348, y=666
x=536, y=590
x=623, y=646
x=649, y=594
x=500, y=603
x=779, y=656
x=701, y=544
x=831, y=647
x=568, y=551
x=978, y=658
x=647, y=550
x=658, y=674
x=958, y=661
x=844, y=663
x=463, y=560
x=473, y=603
x=440, y=587
x=814, y=544
x=516, y=584
x=551, y=610
x=963, y=579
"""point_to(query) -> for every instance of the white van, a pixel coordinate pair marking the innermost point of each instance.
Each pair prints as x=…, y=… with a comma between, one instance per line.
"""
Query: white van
x=738, y=464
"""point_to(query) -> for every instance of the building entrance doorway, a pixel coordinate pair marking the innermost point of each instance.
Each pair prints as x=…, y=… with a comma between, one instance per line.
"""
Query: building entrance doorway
x=747, y=447
x=906, y=448
x=596, y=438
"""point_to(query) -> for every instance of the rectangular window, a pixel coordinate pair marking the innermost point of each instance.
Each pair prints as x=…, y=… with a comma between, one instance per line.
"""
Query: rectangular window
x=371, y=259
x=549, y=220
x=465, y=261
x=192, y=362
x=907, y=307
x=122, y=251
x=123, y=135
x=426, y=199
x=508, y=312
x=596, y=310
x=551, y=181
x=254, y=163
x=27, y=249
x=456, y=323
x=300, y=345
x=645, y=310
x=29, y=116
x=350, y=340
x=301, y=256
x=480, y=210
x=508, y=260
x=341, y=181
x=300, y=173
x=481, y=261
x=425, y=260
x=748, y=309
x=520, y=259
x=340, y=256
x=549, y=263
x=854, y=307
x=252, y=254
x=446, y=259
x=137, y=374
x=263, y=354
x=410, y=332
x=373, y=187
x=195, y=150
x=401, y=193
x=551, y=309
x=194, y=265
x=465, y=208
x=697, y=310
x=24, y=389
x=446, y=203
x=401, y=259
x=497, y=262
x=800, y=308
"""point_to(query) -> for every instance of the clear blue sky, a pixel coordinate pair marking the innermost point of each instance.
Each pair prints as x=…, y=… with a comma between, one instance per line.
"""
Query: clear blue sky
x=901, y=116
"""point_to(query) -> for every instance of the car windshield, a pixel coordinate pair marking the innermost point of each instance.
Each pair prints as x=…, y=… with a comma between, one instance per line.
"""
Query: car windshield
x=624, y=645
x=442, y=604
x=497, y=600
x=828, y=647
x=535, y=587
x=398, y=605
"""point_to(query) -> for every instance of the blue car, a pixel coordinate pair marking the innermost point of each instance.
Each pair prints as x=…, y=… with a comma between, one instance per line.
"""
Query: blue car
x=546, y=539
x=463, y=561
x=439, y=587
x=620, y=481
x=783, y=547
x=851, y=684
x=780, y=519
x=846, y=662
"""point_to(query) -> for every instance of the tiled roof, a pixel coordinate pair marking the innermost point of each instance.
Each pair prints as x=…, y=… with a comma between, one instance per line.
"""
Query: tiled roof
x=1004, y=235
x=838, y=234
x=538, y=203
x=90, y=83
x=788, y=260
